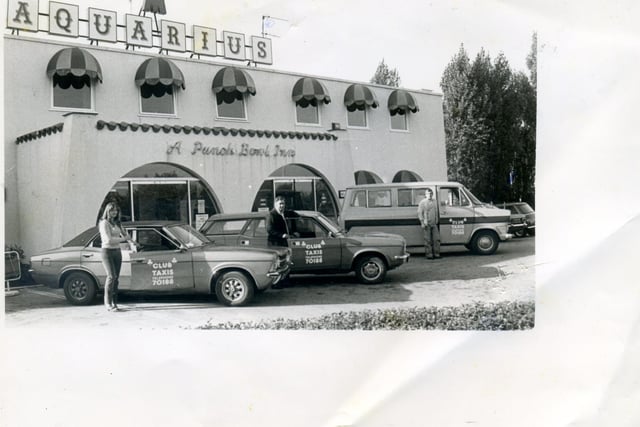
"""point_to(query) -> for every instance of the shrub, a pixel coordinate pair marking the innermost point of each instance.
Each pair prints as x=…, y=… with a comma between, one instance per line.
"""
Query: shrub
x=513, y=315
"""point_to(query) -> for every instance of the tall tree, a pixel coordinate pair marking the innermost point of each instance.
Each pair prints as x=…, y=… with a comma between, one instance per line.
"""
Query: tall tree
x=532, y=61
x=386, y=76
x=489, y=117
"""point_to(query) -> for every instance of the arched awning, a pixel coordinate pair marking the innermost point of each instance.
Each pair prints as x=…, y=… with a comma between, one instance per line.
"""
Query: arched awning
x=401, y=102
x=75, y=61
x=154, y=6
x=358, y=96
x=406, y=176
x=308, y=91
x=231, y=83
x=366, y=177
x=162, y=71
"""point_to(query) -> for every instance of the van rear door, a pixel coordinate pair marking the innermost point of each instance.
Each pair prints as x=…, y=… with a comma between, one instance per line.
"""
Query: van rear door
x=457, y=215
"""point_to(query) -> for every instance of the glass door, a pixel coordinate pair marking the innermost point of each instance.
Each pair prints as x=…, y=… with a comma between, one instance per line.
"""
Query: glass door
x=160, y=200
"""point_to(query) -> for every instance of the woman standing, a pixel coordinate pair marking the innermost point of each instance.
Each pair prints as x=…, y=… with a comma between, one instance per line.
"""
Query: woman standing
x=112, y=234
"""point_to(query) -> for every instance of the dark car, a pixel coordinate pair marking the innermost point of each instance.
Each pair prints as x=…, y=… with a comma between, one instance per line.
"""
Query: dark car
x=171, y=258
x=317, y=245
x=523, y=218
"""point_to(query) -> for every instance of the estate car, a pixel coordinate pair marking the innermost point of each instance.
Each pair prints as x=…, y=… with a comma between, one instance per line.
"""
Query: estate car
x=317, y=245
x=170, y=258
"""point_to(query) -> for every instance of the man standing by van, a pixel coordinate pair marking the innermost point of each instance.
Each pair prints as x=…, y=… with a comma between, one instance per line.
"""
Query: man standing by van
x=428, y=215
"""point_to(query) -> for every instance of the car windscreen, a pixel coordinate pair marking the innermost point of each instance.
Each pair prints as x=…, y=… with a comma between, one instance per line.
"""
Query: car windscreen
x=187, y=235
x=525, y=208
x=329, y=225
x=83, y=238
x=473, y=198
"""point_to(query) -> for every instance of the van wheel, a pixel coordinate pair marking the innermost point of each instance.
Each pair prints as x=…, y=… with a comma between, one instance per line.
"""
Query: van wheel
x=371, y=269
x=79, y=288
x=485, y=243
x=234, y=288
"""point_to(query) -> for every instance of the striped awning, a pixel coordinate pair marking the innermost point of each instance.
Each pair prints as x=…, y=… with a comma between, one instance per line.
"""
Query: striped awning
x=406, y=176
x=366, y=177
x=308, y=91
x=154, y=6
x=75, y=61
x=401, y=102
x=358, y=96
x=231, y=83
x=162, y=71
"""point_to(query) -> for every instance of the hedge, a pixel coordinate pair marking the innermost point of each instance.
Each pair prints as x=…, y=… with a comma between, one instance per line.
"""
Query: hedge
x=513, y=315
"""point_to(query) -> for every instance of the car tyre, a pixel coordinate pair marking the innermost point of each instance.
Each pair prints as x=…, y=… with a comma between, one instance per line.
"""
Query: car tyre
x=485, y=243
x=371, y=269
x=80, y=288
x=520, y=233
x=234, y=288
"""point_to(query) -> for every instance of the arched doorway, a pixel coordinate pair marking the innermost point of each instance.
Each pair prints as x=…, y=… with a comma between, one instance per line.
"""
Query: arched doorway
x=162, y=191
x=303, y=189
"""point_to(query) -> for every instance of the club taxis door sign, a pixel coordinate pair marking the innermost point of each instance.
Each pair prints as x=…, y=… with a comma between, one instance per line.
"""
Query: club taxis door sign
x=313, y=254
x=161, y=271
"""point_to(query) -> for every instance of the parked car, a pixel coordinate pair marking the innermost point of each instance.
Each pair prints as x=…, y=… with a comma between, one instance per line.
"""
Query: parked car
x=171, y=258
x=523, y=213
x=317, y=245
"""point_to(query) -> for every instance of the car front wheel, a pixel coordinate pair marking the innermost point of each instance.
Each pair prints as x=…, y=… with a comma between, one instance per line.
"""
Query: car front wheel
x=234, y=288
x=79, y=288
x=485, y=243
x=371, y=269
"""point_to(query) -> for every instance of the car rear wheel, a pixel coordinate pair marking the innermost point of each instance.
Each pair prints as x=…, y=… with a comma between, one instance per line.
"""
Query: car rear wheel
x=485, y=243
x=371, y=269
x=234, y=288
x=80, y=288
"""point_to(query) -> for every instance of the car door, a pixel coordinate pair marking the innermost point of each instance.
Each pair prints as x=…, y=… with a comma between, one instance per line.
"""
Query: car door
x=456, y=214
x=160, y=264
x=254, y=234
x=312, y=248
x=91, y=259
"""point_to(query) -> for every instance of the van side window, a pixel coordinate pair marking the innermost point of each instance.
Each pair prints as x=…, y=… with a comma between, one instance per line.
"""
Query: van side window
x=405, y=197
x=379, y=198
x=359, y=199
x=451, y=197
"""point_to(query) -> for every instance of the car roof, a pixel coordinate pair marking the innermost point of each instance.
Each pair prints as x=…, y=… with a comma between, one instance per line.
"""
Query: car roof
x=248, y=215
x=400, y=185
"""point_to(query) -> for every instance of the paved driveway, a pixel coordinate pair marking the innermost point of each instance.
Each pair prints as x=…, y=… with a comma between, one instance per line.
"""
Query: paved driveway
x=459, y=277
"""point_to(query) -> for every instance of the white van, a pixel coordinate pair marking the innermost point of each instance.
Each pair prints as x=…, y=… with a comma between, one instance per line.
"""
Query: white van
x=393, y=208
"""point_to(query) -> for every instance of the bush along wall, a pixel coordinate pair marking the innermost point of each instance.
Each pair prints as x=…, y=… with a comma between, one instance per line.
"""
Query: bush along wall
x=513, y=315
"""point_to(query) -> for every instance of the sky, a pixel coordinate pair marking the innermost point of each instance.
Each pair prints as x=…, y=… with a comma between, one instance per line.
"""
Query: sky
x=348, y=39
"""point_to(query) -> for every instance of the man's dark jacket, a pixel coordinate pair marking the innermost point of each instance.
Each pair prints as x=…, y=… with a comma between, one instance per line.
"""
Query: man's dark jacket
x=276, y=227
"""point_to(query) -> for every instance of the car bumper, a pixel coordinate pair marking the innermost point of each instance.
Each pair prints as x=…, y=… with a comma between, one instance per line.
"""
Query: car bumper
x=402, y=258
x=279, y=274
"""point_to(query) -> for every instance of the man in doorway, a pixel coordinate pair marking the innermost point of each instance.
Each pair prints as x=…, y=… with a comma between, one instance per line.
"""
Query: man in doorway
x=276, y=225
x=428, y=215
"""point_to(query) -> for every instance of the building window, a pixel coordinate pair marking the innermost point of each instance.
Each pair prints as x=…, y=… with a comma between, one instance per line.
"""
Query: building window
x=357, y=118
x=308, y=114
x=73, y=92
x=233, y=110
x=158, y=99
x=399, y=122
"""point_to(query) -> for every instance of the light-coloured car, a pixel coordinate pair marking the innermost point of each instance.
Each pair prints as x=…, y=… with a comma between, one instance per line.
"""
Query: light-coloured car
x=171, y=258
x=317, y=245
